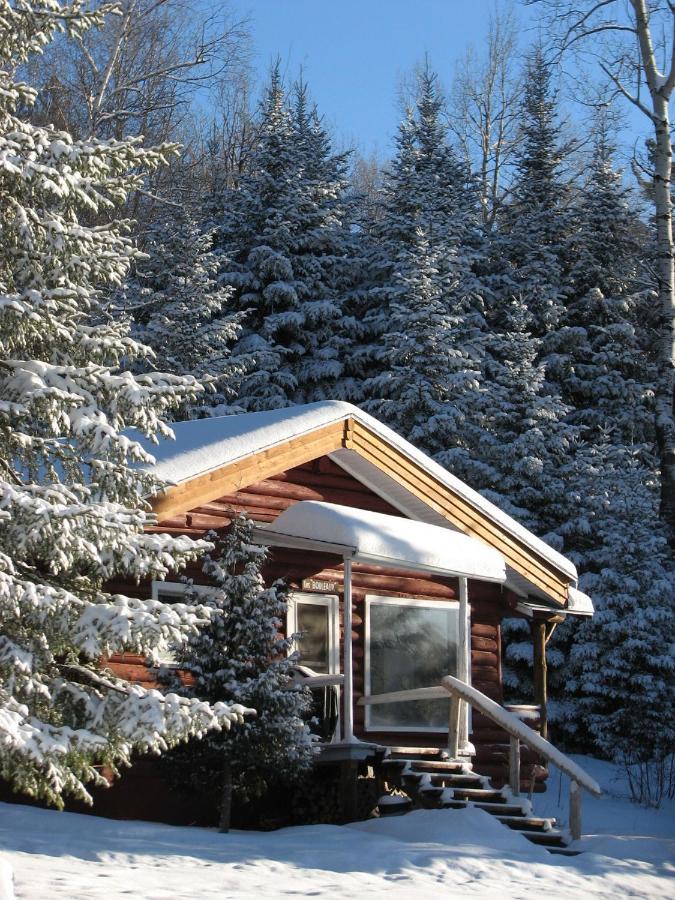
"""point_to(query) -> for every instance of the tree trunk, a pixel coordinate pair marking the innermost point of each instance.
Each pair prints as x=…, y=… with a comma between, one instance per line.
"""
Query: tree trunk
x=665, y=389
x=660, y=90
x=226, y=800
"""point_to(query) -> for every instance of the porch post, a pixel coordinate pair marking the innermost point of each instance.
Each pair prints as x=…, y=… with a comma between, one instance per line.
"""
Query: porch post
x=464, y=660
x=348, y=731
x=540, y=674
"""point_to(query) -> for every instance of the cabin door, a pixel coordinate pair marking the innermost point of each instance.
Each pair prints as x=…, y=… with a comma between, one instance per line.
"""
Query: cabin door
x=314, y=618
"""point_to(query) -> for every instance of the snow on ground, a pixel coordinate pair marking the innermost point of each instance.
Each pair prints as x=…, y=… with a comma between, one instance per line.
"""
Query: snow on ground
x=463, y=853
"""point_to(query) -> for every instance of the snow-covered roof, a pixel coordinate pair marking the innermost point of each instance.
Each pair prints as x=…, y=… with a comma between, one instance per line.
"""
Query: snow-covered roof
x=579, y=603
x=387, y=540
x=203, y=445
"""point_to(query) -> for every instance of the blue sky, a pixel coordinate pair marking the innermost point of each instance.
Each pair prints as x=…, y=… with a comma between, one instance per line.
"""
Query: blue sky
x=354, y=53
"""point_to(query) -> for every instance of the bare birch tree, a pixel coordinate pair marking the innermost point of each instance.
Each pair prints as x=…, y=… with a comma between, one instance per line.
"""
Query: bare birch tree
x=633, y=43
x=138, y=74
x=484, y=110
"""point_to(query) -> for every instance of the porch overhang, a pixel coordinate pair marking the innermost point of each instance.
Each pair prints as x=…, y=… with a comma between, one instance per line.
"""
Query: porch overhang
x=384, y=540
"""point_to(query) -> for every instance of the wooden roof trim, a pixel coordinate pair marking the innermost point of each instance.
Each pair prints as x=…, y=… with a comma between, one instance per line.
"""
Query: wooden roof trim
x=349, y=433
x=459, y=511
x=233, y=476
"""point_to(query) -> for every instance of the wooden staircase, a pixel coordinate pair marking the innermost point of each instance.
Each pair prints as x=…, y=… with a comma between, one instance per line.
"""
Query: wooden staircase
x=425, y=778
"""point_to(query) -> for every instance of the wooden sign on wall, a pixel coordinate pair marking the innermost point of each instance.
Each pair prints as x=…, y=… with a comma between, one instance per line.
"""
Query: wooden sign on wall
x=316, y=586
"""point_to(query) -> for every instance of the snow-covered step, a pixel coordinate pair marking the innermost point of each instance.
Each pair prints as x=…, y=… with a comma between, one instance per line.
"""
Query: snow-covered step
x=417, y=753
x=552, y=838
x=460, y=779
x=502, y=809
x=430, y=795
x=439, y=766
x=527, y=823
x=479, y=795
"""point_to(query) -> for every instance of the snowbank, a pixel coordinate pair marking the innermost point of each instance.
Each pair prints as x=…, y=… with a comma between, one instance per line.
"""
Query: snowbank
x=629, y=852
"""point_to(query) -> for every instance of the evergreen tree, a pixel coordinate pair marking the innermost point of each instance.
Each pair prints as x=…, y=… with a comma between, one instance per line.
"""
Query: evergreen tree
x=596, y=357
x=425, y=321
x=532, y=239
x=617, y=688
x=239, y=657
x=72, y=506
x=179, y=309
x=285, y=242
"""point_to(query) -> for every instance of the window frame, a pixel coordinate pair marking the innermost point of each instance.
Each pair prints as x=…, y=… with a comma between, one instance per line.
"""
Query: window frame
x=382, y=600
x=332, y=602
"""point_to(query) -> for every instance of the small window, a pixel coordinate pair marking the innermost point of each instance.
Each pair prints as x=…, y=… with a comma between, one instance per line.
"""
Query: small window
x=174, y=591
x=409, y=644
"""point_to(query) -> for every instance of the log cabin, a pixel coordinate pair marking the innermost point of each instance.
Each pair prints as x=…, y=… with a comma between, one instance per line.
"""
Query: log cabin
x=399, y=573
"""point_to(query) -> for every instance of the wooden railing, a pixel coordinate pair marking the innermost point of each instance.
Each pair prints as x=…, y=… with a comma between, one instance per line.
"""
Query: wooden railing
x=458, y=692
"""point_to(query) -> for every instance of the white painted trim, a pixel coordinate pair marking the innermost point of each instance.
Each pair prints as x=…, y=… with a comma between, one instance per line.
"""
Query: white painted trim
x=371, y=599
x=178, y=588
x=269, y=538
x=348, y=736
x=464, y=657
x=332, y=602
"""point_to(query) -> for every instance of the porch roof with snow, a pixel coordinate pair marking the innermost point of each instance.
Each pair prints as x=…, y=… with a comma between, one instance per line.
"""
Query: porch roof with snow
x=211, y=457
x=372, y=537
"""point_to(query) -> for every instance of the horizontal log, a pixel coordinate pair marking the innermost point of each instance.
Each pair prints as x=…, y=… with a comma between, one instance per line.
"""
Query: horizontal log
x=140, y=674
x=206, y=522
x=344, y=492
x=485, y=675
x=248, y=498
x=493, y=691
x=480, y=629
x=483, y=643
x=485, y=752
x=484, y=658
x=378, y=584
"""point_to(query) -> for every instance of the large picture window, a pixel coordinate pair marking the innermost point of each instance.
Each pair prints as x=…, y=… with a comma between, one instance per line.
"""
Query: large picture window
x=409, y=644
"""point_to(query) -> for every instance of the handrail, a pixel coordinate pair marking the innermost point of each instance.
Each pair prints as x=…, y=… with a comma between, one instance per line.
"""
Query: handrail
x=515, y=727
x=458, y=691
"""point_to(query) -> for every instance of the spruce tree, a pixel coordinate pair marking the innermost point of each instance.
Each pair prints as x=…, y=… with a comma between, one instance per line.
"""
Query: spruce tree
x=178, y=308
x=240, y=657
x=531, y=241
x=285, y=242
x=597, y=357
x=72, y=507
x=425, y=321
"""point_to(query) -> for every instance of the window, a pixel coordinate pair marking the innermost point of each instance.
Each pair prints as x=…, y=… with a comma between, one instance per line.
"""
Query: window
x=314, y=617
x=174, y=592
x=409, y=644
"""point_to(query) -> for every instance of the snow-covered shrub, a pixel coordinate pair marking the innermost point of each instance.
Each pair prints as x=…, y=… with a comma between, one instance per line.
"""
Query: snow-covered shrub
x=241, y=657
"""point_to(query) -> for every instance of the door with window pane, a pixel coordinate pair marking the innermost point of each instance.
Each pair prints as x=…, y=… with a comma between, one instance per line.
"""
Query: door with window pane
x=409, y=644
x=314, y=618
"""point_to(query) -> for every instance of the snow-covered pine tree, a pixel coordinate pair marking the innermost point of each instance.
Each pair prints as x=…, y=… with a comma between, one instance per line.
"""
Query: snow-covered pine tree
x=240, y=657
x=179, y=309
x=72, y=506
x=618, y=685
x=425, y=321
x=596, y=357
x=284, y=236
x=532, y=237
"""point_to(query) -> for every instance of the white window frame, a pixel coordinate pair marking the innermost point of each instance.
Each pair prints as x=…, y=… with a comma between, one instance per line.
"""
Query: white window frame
x=378, y=599
x=178, y=588
x=332, y=602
